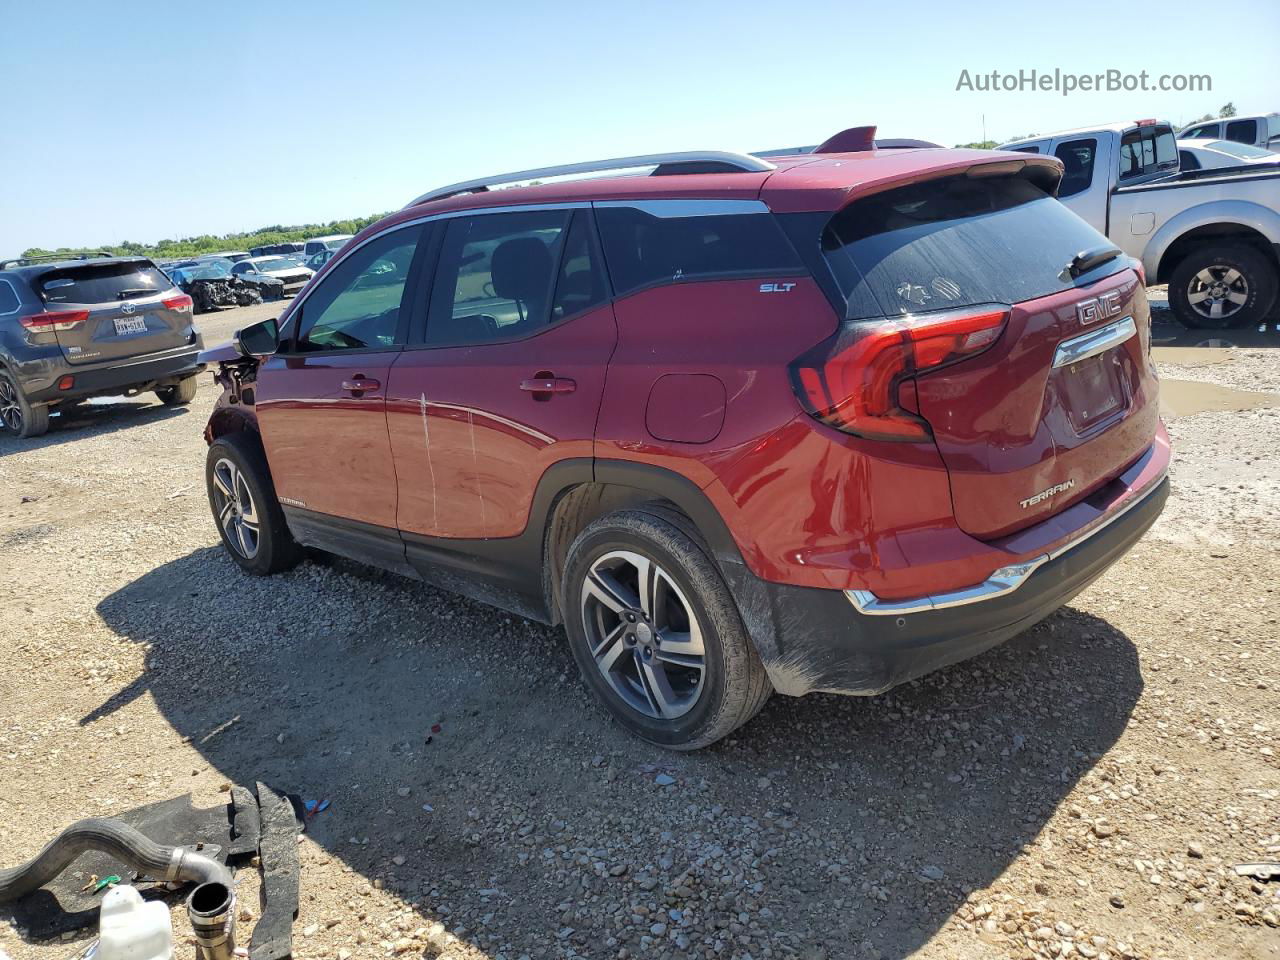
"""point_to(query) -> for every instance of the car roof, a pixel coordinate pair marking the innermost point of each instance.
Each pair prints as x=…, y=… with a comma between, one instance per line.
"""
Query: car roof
x=799, y=182
x=331, y=236
x=25, y=267
x=1117, y=126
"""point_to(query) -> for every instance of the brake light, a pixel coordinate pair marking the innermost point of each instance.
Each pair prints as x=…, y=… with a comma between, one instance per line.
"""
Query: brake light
x=181, y=303
x=859, y=381
x=54, y=320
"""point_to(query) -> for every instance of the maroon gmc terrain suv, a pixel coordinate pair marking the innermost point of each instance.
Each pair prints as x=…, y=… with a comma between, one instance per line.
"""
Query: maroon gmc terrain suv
x=824, y=421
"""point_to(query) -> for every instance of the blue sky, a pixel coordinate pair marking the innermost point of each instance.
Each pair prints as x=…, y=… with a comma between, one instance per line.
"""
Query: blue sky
x=136, y=121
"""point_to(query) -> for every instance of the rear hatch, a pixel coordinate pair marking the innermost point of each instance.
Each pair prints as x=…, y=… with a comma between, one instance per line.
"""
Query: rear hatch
x=1057, y=404
x=115, y=310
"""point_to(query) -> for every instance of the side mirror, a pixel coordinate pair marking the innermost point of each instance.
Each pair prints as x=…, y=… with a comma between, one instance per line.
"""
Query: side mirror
x=258, y=340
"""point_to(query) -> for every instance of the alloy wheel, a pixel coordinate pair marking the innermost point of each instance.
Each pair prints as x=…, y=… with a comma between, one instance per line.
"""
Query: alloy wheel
x=1218, y=292
x=643, y=635
x=237, y=513
x=10, y=406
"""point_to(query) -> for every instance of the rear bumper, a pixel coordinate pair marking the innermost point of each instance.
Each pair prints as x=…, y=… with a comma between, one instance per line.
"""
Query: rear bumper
x=136, y=374
x=820, y=640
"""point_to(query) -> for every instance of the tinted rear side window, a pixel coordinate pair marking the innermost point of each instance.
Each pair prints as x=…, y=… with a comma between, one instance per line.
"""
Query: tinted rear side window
x=8, y=299
x=955, y=242
x=673, y=240
x=101, y=283
x=1243, y=131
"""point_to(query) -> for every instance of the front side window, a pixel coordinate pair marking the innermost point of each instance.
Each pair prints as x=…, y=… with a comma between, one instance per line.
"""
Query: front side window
x=1243, y=131
x=1077, y=162
x=670, y=241
x=1187, y=160
x=357, y=306
x=1208, y=132
x=496, y=276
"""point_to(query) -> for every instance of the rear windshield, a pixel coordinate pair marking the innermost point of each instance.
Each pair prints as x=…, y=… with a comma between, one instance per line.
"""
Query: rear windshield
x=101, y=283
x=955, y=242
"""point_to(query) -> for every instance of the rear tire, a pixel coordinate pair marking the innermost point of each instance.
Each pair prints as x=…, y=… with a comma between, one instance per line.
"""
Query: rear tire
x=17, y=414
x=180, y=394
x=656, y=633
x=1221, y=288
x=245, y=509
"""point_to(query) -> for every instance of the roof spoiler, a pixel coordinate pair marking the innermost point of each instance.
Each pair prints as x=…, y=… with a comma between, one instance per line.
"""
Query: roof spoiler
x=50, y=257
x=853, y=140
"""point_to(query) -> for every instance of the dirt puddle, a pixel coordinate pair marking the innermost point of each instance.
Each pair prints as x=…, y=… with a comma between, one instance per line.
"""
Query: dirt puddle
x=1182, y=398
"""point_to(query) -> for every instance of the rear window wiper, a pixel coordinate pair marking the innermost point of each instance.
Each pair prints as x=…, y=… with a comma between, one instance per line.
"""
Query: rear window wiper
x=1086, y=260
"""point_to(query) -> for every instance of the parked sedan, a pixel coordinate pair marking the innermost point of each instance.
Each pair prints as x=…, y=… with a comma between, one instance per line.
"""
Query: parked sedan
x=1215, y=154
x=292, y=274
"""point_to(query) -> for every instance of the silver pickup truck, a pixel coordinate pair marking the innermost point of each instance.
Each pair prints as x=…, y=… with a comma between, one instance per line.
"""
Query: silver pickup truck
x=1212, y=235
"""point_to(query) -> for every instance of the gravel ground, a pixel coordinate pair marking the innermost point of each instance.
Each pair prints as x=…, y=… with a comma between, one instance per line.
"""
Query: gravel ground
x=1083, y=790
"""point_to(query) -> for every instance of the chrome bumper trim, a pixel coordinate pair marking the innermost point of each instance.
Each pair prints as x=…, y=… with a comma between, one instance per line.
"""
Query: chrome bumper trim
x=1003, y=581
x=1095, y=342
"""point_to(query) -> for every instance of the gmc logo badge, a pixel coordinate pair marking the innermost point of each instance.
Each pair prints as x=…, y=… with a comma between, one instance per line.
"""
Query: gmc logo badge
x=1099, y=308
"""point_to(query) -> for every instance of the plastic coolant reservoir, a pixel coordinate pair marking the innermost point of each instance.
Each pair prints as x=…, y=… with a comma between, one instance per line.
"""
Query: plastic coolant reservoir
x=130, y=928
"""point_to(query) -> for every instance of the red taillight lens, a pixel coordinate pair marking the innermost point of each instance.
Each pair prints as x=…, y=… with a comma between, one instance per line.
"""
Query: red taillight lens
x=54, y=320
x=182, y=304
x=855, y=381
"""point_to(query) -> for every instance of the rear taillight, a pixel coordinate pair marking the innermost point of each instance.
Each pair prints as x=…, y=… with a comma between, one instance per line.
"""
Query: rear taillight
x=54, y=320
x=182, y=304
x=859, y=381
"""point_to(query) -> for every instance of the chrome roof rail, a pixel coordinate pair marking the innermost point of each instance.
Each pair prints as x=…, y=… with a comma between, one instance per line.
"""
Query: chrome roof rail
x=733, y=161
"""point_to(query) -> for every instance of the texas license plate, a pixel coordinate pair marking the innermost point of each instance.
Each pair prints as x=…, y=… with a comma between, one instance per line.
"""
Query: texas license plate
x=126, y=325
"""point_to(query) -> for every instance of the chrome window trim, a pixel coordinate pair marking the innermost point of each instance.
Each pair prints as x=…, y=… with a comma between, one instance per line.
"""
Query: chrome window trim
x=1094, y=342
x=16, y=295
x=667, y=209
x=1001, y=582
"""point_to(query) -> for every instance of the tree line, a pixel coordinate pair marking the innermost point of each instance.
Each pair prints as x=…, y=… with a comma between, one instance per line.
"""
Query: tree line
x=209, y=243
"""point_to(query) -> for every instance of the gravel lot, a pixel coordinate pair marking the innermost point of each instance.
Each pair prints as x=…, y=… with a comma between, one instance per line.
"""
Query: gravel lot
x=1082, y=791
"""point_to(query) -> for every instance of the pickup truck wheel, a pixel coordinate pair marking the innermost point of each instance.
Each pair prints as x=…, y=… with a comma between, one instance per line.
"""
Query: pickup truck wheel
x=17, y=414
x=1223, y=287
x=245, y=509
x=656, y=633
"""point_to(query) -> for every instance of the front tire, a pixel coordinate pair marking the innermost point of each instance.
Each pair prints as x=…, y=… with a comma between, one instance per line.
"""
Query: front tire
x=1221, y=288
x=17, y=414
x=245, y=509
x=656, y=633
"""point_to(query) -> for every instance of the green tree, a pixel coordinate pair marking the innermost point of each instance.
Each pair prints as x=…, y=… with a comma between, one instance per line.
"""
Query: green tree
x=1227, y=110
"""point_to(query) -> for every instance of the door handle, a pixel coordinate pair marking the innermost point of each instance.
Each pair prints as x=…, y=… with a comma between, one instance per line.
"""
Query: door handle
x=548, y=385
x=360, y=385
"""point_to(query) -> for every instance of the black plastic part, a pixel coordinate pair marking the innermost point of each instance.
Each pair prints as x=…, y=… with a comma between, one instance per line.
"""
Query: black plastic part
x=246, y=824
x=278, y=847
x=109, y=380
x=816, y=640
x=61, y=906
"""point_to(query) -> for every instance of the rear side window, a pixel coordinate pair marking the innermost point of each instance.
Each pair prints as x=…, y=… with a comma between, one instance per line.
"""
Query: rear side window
x=101, y=283
x=496, y=276
x=670, y=241
x=1077, y=162
x=1243, y=131
x=8, y=298
x=1024, y=149
x=954, y=242
x=1147, y=150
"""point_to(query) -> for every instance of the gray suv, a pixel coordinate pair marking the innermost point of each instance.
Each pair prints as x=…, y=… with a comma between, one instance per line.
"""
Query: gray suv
x=73, y=328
